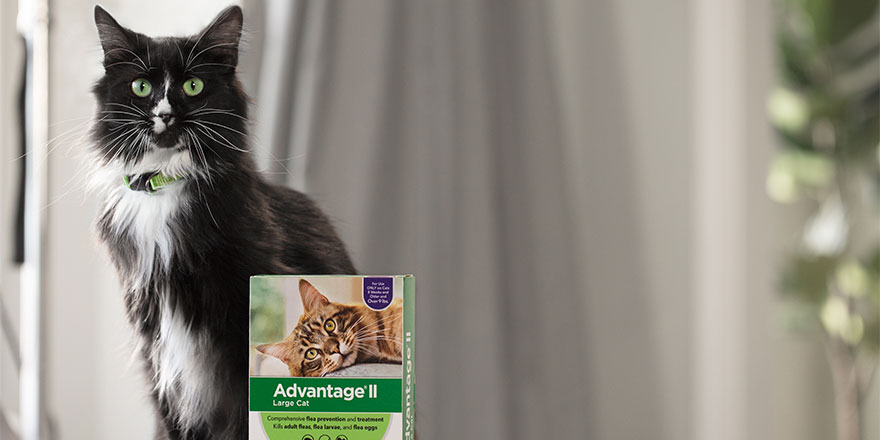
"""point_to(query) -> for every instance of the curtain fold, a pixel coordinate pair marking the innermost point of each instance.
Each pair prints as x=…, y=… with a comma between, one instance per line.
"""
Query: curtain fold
x=431, y=132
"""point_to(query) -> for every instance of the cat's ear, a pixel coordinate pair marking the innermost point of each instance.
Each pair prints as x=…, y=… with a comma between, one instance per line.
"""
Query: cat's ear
x=222, y=36
x=115, y=39
x=311, y=298
x=278, y=350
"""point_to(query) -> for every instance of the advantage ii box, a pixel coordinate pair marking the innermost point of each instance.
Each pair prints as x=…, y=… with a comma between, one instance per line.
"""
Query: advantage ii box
x=332, y=357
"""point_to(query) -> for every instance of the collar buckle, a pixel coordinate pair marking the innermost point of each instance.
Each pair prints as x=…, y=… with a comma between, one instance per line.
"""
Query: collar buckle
x=149, y=183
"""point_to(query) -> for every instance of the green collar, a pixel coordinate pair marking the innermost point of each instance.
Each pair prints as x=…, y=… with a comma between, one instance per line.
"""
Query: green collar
x=149, y=182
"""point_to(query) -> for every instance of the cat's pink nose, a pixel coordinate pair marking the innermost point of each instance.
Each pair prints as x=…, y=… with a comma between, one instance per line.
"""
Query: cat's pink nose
x=332, y=347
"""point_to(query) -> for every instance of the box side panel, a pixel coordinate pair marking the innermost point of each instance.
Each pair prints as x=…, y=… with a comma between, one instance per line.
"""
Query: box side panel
x=409, y=351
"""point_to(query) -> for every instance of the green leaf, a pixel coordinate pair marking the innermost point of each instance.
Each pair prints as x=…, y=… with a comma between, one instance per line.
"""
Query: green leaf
x=794, y=171
x=806, y=277
x=267, y=310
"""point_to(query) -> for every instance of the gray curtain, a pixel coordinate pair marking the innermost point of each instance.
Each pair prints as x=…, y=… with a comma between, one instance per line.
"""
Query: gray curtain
x=431, y=132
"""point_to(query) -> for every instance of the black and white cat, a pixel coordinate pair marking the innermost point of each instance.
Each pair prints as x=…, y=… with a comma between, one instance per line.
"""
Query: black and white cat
x=187, y=218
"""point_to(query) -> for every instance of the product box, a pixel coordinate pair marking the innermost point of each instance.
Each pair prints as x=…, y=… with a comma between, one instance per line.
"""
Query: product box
x=332, y=357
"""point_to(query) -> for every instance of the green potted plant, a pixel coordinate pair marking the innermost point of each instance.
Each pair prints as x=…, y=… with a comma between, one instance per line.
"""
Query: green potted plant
x=824, y=109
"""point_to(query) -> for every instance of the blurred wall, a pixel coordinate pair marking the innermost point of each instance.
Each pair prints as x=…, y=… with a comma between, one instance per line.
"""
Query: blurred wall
x=10, y=78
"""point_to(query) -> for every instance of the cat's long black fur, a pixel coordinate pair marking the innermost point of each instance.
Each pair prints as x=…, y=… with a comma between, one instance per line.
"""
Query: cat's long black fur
x=228, y=223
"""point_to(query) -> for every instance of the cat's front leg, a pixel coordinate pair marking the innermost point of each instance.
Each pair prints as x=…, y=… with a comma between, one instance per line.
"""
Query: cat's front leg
x=161, y=430
x=165, y=429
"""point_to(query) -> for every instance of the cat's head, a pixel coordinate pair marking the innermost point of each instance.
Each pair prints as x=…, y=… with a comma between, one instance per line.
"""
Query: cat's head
x=161, y=97
x=324, y=340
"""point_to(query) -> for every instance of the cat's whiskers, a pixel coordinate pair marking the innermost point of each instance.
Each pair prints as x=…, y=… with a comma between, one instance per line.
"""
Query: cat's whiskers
x=385, y=320
x=126, y=120
x=202, y=123
x=83, y=119
x=121, y=127
x=189, y=61
x=146, y=69
x=378, y=338
x=189, y=58
x=112, y=133
x=205, y=110
x=122, y=62
x=367, y=349
x=200, y=146
x=60, y=139
x=393, y=318
x=380, y=326
x=143, y=141
x=74, y=183
x=197, y=146
x=130, y=107
x=225, y=143
x=122, y=112
x=110, y=145
x=375, y=338
x=131, y=143
x=179, y=52
x=371, y=334
x=116, y=146
x=197, y=66
x=354, y=325
x=325, y=369
x=137, y=145
x=223, y=126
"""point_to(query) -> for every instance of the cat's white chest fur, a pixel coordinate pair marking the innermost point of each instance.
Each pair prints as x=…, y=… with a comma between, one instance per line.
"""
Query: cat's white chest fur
x=180, y=354
x=182, y=360
x=147, y=219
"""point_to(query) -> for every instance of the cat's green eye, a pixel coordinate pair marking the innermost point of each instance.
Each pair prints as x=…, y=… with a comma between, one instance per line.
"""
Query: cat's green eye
x=311, y=354
x=193, y=86
x=329, y=325
x=141, y=88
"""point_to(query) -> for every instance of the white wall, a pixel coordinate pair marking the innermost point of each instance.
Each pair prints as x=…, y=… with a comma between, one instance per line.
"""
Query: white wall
x=10, y=76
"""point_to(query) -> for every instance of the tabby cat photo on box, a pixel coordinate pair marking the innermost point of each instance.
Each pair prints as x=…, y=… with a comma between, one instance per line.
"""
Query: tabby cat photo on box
x=325, y=331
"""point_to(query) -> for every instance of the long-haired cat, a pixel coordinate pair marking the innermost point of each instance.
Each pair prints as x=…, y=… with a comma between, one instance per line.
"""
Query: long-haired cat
x=330, y=335
x=187, y=217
